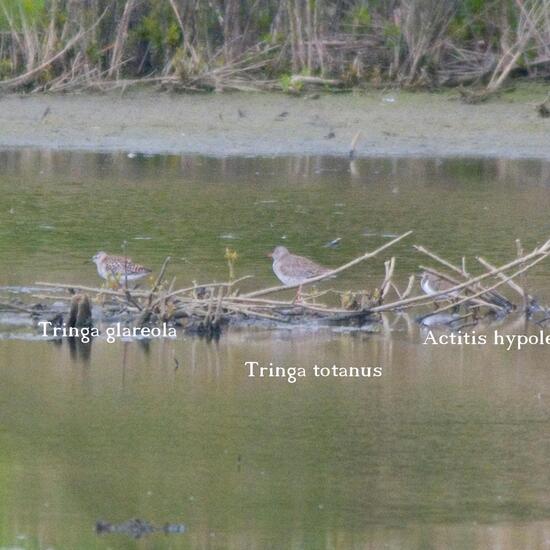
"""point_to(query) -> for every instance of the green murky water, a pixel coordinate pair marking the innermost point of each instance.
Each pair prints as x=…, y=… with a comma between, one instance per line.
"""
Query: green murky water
x=450, y=448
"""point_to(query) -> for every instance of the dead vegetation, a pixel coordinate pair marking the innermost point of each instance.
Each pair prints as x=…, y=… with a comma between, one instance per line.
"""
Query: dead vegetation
x=196, y=45
x=207, y=307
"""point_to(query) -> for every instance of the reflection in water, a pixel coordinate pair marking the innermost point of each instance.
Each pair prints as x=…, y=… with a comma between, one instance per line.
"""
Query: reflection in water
x=80, y=351
x=28, y=163
x=446, y=450
x=444, y=437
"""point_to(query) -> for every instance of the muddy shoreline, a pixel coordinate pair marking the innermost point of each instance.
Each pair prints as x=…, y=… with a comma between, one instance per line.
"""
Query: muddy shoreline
x=392, y=123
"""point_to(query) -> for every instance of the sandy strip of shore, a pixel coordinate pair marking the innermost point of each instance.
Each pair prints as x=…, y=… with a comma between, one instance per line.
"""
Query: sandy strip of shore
x=391, y=123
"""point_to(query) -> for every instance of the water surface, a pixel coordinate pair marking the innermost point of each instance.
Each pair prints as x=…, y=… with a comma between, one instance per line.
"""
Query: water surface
x=450, y=448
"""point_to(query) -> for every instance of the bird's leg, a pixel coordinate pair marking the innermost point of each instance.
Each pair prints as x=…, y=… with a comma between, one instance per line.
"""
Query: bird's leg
x=298, y=297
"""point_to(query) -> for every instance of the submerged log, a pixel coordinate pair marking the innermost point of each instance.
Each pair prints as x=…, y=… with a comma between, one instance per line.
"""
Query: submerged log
x=80, y=314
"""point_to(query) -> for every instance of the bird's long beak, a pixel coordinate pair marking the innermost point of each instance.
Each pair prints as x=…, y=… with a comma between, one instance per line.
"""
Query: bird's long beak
x=269, y=254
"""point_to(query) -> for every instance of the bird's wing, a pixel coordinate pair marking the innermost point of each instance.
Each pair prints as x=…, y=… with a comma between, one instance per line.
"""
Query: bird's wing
x=119, y=264
x=445, y=285
x=305, y=267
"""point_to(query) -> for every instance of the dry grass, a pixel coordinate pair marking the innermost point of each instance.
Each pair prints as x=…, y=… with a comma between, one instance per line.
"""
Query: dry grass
x=263, y=44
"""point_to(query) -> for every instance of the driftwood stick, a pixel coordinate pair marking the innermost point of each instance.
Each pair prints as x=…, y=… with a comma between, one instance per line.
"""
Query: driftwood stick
x=461, y=271
x=218, y=313
x=543, y=251
x=64, y=298
x=194, y=287
x=389, y=266
x=160, y=276
x=396, y=290
x=324, y=309
x=157, y=284
x=89, y=289
x=512, y=284
x=131, y=299
x=519, y=248
x=455, y=282
x=269, y=304
x=259, y=301
x=210, y=308
x=172, y=284
x=234, y=299
x=496, y=285
x=254, y=313
x=331, y=272
x=409, y=288
x=14, y=307
x=439, y=259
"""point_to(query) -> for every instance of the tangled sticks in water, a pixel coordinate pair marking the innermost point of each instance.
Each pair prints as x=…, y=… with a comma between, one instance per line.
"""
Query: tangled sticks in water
x=206, y=308
x=137, y=528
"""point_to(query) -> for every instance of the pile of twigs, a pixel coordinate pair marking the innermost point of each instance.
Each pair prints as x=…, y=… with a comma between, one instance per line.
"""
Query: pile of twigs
x=206, y=308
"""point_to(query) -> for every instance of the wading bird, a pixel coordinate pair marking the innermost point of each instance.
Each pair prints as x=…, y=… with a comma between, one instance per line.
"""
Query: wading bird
x=292, y=269
x=432, y=284
x=118, y=268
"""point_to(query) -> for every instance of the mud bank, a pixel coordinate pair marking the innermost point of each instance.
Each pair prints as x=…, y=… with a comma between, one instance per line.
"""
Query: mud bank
x=391, y=123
